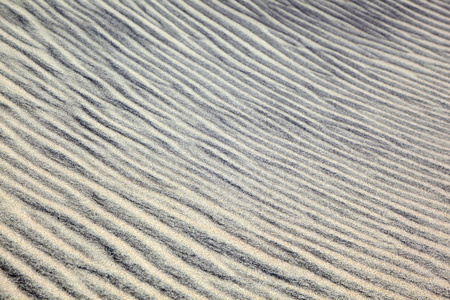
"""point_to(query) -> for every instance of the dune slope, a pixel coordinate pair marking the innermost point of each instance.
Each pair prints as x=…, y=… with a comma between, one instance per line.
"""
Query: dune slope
x=249, y=149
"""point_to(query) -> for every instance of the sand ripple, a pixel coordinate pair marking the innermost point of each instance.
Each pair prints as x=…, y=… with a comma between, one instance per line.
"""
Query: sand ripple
x=224, y=149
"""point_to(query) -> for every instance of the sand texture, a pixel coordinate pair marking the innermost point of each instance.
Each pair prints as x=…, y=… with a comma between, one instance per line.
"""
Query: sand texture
x=233, y=149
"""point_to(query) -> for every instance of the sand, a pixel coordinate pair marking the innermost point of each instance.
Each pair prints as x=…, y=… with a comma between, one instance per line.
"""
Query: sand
x=253, y=149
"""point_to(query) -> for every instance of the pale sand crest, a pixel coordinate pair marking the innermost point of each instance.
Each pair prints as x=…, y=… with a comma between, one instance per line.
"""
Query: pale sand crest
x=240, y=149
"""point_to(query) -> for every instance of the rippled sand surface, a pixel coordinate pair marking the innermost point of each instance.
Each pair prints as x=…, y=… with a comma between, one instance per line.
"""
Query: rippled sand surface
x=240, y=149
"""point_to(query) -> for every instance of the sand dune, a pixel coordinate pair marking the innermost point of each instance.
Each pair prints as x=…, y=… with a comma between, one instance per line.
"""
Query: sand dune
x=251, y=149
